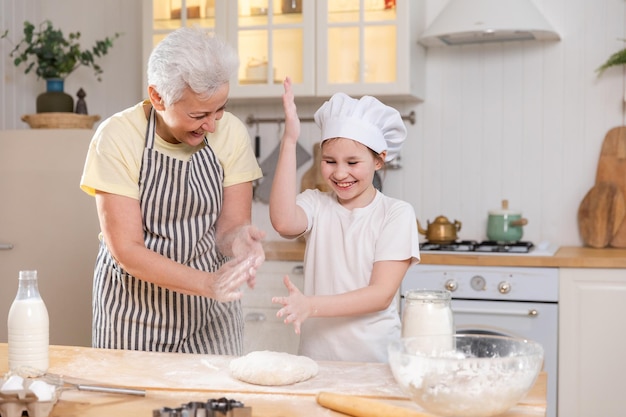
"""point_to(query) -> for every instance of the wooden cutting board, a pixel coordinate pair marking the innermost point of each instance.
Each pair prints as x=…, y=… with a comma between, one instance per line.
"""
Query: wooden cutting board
x=602, y=213
x=612, y=168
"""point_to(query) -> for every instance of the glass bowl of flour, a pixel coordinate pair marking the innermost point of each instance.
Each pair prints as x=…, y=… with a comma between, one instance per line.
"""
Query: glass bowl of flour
x=465, y=375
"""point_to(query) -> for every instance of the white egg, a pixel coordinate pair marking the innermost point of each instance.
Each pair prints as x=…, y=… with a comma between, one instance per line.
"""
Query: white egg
x=43, y=391
x=12, y=384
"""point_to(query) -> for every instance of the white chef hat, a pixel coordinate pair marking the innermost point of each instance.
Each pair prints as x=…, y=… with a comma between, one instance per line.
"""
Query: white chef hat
x=366, y=120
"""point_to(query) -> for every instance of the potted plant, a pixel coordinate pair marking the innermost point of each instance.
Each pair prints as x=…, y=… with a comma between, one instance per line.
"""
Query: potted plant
x=53, y=56
x=618, y=58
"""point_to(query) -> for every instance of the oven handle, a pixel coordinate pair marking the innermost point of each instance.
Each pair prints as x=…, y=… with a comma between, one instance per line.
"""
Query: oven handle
x=524, y=313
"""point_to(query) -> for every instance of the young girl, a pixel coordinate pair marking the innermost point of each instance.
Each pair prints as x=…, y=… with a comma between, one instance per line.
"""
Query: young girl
x=359, y=242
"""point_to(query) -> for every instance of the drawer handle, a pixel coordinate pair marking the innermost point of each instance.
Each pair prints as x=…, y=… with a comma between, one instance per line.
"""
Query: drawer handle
x=500, y=312
x=255, y=317
x=298, y=269
x=6, y=246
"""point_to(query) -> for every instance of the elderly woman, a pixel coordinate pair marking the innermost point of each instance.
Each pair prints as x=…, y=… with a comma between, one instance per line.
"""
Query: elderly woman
x=172, y=179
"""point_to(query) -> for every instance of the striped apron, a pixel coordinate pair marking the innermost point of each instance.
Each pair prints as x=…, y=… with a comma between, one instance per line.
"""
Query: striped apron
x=180, y=202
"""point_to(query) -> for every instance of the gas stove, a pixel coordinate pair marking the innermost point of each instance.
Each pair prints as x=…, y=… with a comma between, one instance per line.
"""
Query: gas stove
x=490, y=247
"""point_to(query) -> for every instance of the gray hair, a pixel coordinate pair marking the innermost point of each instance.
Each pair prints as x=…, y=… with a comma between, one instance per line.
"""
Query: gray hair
x=191, y=57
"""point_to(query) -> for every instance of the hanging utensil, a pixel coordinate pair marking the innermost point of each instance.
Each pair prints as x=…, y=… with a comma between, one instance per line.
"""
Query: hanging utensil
x=257, y=143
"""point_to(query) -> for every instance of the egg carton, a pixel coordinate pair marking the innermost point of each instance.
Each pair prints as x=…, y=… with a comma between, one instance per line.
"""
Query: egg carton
x=14, y=406
x=18, y=395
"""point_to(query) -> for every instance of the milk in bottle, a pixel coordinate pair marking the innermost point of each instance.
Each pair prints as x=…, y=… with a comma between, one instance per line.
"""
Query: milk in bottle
x=28, y=326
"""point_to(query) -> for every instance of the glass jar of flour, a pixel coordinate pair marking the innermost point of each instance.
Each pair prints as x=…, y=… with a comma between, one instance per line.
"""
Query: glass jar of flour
x=427, y=313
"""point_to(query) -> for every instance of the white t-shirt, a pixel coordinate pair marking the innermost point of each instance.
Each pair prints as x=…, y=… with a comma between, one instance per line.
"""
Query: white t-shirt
x=342, y=246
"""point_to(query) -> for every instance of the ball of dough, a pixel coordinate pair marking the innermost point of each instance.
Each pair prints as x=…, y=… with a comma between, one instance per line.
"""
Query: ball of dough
x=273, y=368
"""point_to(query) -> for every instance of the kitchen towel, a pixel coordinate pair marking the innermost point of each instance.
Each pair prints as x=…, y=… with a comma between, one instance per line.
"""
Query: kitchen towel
x=268, y=166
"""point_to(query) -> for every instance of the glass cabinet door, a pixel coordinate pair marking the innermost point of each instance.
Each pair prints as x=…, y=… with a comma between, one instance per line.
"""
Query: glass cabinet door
x=164, y=16
x=355, y=46
x=359, y=45
x=275, y=40
x=168, y=15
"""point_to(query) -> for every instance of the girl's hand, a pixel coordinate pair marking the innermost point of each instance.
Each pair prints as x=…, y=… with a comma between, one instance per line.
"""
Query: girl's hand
x=296, y=306
x=292, y=122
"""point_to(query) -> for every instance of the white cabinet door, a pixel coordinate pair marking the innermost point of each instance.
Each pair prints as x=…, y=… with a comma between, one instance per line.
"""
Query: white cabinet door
x=355, y=46
x=51, y=224
x=592, y=341
x=274, y=41
x=370, y=48
x=263, y=330
x=160, y=17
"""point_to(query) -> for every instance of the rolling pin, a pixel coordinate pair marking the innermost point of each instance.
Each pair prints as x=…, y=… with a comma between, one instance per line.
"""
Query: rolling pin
x=364, y=407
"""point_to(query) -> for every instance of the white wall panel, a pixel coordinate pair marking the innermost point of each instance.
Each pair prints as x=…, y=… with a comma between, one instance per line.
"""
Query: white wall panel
x=14, y=84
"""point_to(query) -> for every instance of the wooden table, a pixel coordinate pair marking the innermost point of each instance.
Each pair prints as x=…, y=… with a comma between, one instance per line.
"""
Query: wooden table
x=171, y=379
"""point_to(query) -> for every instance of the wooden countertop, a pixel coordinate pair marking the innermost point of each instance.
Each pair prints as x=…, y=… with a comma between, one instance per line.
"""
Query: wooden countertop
x=565, y=257
x=172, y=379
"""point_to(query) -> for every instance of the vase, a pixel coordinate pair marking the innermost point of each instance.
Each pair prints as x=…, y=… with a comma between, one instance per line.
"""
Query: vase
x=55, y=99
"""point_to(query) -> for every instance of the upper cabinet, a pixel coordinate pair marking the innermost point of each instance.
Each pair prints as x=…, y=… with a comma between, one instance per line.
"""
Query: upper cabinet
x=275, y=39
x=369, y=47
x=355, y=46
x=161, y=17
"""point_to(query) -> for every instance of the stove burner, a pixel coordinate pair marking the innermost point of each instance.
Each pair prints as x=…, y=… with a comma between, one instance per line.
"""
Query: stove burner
x=473, y=246
x=513, y=247
x=458, y=246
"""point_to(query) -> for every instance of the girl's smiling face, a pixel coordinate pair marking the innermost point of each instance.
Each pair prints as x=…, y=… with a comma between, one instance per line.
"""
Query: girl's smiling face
x=348, y=167
x=190, y=118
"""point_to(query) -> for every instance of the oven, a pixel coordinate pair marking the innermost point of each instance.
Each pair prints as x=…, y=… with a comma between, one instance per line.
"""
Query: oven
x=510, y=301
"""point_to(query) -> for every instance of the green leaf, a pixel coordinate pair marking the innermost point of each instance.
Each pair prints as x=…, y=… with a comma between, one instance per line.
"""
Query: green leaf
x=618, y=58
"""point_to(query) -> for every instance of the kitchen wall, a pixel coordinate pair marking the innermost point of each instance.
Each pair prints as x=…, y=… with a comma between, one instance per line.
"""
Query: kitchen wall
x=521, y=121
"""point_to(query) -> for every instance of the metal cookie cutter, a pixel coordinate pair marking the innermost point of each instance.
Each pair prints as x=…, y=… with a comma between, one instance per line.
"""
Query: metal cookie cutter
x=221, y=407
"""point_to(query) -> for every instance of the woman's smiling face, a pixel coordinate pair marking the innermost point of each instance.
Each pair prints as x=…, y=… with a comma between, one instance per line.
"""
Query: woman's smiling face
x=190, y=118
x=348, y=167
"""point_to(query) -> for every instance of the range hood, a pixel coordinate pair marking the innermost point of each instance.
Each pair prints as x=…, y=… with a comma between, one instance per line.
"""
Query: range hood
x=463, y=22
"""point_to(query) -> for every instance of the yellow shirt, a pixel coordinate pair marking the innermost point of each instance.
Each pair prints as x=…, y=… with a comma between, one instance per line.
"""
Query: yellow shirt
x=115, y=153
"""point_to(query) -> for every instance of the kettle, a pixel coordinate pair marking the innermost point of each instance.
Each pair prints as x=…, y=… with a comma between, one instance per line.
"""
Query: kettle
x=440, y=231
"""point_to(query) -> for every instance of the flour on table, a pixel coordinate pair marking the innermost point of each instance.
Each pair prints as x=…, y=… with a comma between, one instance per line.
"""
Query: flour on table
x=273, y=368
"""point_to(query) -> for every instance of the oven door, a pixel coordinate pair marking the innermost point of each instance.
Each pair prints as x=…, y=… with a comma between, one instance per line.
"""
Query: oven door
x=528, y=320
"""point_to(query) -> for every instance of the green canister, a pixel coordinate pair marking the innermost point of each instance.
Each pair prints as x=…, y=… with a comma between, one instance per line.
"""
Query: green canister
x=504, y=225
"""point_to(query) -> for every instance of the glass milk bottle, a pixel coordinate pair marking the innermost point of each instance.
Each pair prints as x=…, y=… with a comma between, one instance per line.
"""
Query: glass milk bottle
x=28, y=326
x=429, y=313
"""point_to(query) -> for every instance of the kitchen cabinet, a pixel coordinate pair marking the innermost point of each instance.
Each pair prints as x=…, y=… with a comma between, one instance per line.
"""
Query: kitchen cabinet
x=355, y=46
x=591, y=342
x=47, y=223
x=263, y=330
x=275, y=39
x=370, y=47
x=160, y=17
